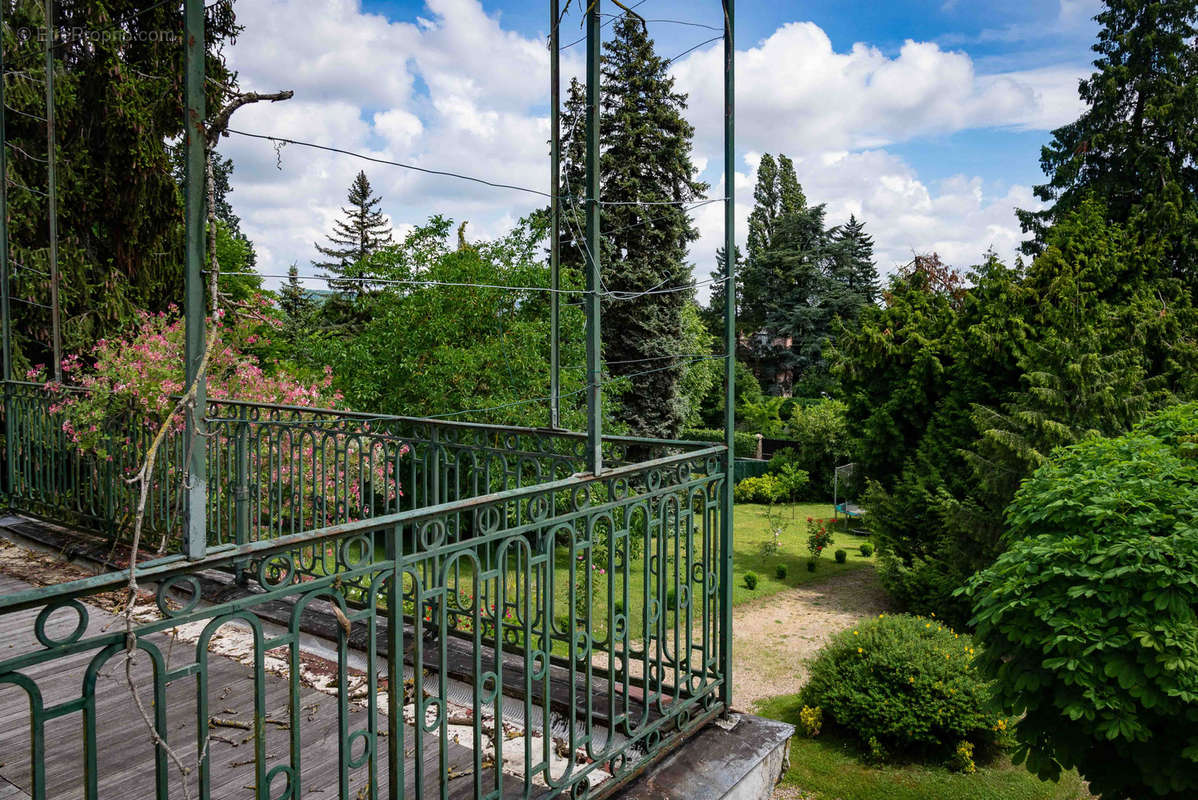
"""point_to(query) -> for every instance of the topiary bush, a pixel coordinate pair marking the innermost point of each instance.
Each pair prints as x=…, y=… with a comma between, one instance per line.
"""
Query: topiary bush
x=781, y=571
x=750, y=580
x=1090, y=619
x=866, y=549
x=905, y=687
x=841, y=556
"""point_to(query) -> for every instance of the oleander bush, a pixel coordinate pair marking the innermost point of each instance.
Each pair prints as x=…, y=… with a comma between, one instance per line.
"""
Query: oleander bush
x=1090, y=618
x=905, y=687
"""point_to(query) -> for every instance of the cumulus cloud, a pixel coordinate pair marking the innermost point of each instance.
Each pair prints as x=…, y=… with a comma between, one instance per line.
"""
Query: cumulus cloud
x=454, y=90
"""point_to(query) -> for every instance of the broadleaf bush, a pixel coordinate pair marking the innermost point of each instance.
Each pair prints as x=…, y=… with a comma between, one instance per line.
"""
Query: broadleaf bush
x=1090, y=619
x=905, y=687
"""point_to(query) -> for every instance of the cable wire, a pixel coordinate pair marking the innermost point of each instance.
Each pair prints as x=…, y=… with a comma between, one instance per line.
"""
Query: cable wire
x=376, y=160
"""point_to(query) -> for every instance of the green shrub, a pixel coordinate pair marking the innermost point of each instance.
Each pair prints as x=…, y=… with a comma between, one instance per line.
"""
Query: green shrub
x=1090, y=616
x=841, y=556
x=780, y=571
x=904, y=686
x=821, y=431
x=744, y=444
x=751, y=580
x=866, y=549
x=766, y=489
x=811, y=565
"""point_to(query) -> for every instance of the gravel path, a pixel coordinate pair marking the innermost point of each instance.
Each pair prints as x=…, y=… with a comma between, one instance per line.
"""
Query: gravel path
x=773, y=638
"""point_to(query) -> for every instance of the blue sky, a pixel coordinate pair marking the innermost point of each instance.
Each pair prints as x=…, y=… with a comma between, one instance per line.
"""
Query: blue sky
x=923, y=117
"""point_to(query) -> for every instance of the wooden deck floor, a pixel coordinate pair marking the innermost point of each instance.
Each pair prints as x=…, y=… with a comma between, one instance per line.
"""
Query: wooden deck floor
x=125, y=752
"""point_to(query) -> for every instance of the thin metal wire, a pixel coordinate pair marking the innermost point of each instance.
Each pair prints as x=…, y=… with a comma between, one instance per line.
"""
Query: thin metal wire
x=613, y=18
x=675, y=22
x=693, y=49
x=397, y=282
x=27, y=155
x=445, y=173
x=7, y=107
x=29, y=302
x=11, y=182
x=12, y=260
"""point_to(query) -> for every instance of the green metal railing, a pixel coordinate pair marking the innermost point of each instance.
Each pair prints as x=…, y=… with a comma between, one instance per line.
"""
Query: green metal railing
x=591, y=606
x=274, y=470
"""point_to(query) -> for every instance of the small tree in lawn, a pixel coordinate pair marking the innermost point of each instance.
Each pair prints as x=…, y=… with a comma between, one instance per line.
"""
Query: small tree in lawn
x=355, y=238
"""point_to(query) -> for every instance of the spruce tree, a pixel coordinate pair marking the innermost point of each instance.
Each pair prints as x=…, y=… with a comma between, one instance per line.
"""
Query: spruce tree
x=776, y=195
x=853, y=266
x=296, y=304
x=356, y=237
x=1135, y=147
x=647, y=177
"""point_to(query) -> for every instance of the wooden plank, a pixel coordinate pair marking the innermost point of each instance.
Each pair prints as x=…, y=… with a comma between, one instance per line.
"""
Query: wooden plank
x=125, y=751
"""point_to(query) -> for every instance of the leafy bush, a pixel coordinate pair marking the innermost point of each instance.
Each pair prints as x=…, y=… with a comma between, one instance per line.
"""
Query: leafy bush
x=1090, y=617
x=822, y=435
x=751, y=580
x=841, y=556
x=766, y=489
x=781, y=571
x=744, y=444
x=866, y=549
x=904, y=686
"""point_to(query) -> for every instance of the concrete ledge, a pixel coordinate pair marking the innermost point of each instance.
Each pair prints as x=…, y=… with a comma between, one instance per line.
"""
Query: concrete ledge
x=722, y=762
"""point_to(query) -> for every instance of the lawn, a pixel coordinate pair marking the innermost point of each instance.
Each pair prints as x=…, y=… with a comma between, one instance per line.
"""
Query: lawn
x=752, y=530
x=828, y=769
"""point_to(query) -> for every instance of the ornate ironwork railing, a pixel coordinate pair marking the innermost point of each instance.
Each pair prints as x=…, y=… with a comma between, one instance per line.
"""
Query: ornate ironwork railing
x=583, y=618
x=274, y=470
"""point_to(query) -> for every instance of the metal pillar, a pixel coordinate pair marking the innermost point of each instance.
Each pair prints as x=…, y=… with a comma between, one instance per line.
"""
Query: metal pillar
x=726, y=532
x=195, y=534
x=593, y=343
x=555, y=182
x=52, y=197
x=5, y=317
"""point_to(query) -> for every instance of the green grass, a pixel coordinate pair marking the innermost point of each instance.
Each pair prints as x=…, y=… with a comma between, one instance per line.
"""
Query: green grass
x=829, y=769
x=753, y=529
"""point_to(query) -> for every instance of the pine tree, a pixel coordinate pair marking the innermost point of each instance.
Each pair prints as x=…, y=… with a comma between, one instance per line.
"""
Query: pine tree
x=296, y=304
x=647, y=177
x=713, y=315
x=852, y=265
x=1136, y=145
x=356, y=237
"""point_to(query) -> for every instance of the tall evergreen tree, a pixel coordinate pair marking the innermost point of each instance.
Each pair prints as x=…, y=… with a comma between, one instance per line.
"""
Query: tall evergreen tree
x=355, y=238
x=713, y=315
x=648, y=177
x=296, y=304
x=776, y=195
x=1135, y=146
x=852, y=267
x=118, y=106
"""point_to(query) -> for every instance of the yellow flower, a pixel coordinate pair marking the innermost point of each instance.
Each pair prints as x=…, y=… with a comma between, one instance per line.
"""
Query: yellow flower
x=859, y=650
x=933, y=613
x=854, y=633
x=927, y=624
x=911, y=679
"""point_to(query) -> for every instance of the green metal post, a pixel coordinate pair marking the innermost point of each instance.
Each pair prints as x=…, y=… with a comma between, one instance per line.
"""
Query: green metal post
x=730, y=348
x=52, y=197
x=195, y=535
x=555, y=181
x=5, y=318
x=593, y=342
x=242, y=492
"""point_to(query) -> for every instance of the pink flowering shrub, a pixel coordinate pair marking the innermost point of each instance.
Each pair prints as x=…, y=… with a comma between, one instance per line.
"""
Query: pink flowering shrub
x=120, y=394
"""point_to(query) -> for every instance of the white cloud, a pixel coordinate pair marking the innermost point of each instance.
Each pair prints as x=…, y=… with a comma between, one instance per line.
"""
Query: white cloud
x=456, y=91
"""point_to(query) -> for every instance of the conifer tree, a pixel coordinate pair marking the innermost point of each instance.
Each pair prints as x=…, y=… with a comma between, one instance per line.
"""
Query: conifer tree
x=647, y=177
x=356, y=237
x=1135, y=147
x=852, y=266
x=296, y=304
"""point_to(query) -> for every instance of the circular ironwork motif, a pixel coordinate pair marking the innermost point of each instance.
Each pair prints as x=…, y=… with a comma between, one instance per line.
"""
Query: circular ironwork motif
x=276, y=571
x=288, y=788
x=354, y=762
x=39, y=625
x=168, y=585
